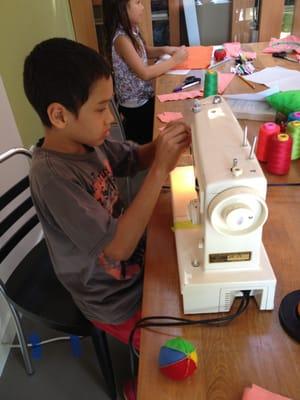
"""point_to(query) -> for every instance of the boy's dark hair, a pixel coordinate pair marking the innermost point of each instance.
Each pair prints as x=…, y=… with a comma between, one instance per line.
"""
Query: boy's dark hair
x=114, y=15
x=61, y=70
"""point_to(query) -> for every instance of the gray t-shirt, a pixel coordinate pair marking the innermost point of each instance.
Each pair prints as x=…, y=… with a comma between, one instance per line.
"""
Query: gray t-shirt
x=77, y=202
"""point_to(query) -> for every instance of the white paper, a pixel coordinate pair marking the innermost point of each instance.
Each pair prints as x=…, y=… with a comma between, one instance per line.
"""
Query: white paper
x=178, y=72
x=254, y=110
x=292, y=83
x=259, y=96
x=283, y=78
x=165, y=57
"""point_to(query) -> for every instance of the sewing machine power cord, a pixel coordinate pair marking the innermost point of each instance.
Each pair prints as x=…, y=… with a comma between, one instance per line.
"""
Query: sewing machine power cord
x=166, y=320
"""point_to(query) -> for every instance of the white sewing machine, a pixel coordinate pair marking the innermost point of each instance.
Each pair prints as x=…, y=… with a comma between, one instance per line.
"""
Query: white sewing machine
x=218, y=220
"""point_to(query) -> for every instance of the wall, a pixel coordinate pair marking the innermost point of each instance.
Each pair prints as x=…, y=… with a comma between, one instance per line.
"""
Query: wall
x=24, y=23
x=11, y=171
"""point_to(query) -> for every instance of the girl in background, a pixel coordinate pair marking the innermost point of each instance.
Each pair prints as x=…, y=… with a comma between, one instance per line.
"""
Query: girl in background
x=129, y=56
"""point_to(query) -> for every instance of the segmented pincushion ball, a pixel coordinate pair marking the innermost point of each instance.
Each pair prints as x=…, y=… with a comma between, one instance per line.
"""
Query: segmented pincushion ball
x=219, y=54
x=178, y=359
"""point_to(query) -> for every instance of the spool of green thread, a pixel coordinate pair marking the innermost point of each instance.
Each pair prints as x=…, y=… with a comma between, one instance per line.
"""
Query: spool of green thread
x=210, y=83
x=293, y=129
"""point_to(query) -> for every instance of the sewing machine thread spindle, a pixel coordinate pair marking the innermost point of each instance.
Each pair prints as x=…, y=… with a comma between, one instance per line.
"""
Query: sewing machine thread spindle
x=196, y=263
x=245, y=136
x=252, y=150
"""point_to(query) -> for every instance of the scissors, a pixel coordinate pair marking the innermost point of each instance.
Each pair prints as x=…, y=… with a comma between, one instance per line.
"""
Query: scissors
x=188, y=82
x=283, y=54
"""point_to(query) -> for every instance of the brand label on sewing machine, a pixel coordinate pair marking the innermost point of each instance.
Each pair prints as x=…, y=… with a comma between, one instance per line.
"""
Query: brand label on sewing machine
x=230, y=257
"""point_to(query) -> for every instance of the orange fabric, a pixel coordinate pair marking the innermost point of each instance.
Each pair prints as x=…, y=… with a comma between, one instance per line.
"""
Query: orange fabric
x=199, y=57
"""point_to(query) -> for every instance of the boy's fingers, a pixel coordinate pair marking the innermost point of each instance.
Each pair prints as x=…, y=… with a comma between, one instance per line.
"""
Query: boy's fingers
x=176, y=128
x=180, y=139
x=174, y=123
x=177, y=135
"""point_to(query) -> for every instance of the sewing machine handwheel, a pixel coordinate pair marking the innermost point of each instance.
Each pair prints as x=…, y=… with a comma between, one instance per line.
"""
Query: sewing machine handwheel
x=237, y=211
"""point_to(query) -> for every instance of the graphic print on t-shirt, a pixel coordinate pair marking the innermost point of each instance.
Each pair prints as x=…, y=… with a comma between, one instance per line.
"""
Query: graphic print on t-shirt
x=106, y=192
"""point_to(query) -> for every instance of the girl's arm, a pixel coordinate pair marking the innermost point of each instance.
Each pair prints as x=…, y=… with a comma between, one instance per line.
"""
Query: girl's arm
x=126, y=50
x=155, y=52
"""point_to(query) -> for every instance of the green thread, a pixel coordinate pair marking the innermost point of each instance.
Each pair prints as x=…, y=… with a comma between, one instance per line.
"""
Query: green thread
x=210, y=83
x=293, y=129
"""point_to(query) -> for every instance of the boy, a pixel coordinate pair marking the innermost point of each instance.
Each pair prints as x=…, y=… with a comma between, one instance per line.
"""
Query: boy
x=96, y=248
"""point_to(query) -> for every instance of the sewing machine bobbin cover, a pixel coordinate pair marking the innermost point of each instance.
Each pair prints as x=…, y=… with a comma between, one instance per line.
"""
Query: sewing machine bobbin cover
x=220, y=253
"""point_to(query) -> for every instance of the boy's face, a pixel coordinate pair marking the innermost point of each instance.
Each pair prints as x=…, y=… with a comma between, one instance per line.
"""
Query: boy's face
x=94, y=119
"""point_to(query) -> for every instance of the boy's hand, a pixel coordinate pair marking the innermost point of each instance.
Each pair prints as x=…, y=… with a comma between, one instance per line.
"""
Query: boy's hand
x=174, y=139
x=180, y=55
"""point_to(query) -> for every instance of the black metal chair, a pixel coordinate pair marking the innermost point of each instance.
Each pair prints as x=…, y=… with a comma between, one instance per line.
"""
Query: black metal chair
x=117, y=132
x=32, y=289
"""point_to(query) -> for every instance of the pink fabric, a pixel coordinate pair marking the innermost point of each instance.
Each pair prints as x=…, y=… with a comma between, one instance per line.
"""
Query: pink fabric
x=223, y=81
x=169, y=116
x=286, y=44
x=258, y=393
x=250, y=55
x=191, y=94
x=234, y=50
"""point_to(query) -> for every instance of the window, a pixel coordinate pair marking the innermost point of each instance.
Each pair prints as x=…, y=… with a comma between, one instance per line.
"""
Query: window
x=288, y=16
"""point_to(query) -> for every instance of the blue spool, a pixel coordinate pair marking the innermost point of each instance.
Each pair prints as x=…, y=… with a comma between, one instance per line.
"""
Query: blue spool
x=294, y=116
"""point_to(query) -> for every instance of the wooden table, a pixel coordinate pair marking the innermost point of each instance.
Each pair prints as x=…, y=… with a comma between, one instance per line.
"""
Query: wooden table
x=251, y=349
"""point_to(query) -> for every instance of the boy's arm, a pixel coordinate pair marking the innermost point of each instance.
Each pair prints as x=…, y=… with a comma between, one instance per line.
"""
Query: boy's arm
x=133, y=222
x=126, y=50
x=146, y=154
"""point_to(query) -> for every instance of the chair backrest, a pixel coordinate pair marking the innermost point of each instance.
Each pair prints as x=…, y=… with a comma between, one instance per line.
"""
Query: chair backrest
x=26, y=268
x=20, y=229
x=117, y=126
x=117, y=132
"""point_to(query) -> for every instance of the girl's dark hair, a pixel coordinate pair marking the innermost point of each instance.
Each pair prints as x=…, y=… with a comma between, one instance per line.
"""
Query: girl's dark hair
x=114, y=15
x=61, y=70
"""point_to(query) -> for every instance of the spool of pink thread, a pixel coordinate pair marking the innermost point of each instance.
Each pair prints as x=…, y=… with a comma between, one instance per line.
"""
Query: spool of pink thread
x=279, y=154
x=266, y=131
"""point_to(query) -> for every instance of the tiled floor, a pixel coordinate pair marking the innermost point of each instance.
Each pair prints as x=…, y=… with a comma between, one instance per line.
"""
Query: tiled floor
x=59, y=375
